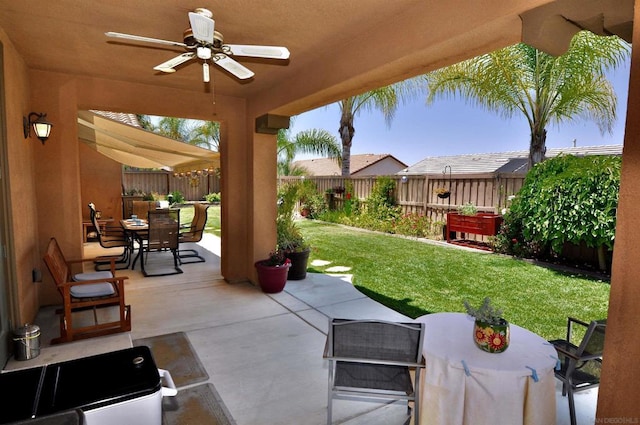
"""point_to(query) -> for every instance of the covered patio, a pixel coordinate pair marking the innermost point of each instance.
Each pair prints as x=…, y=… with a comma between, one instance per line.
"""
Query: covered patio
x=56, y=59
x=263, y=353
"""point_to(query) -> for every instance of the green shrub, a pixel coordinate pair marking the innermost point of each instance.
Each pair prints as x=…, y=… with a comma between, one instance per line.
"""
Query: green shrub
x=381, y=203
x=416, y=225
x=288, y=234
x=212, y=197
x=177, y=197
x=563, y=199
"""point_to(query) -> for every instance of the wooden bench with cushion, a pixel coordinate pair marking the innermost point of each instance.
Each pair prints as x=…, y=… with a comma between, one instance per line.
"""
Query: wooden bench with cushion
x=84, y=291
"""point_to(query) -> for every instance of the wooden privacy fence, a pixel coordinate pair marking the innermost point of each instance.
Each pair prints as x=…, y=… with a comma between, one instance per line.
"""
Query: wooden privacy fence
x=194, y=188
x=489, y=192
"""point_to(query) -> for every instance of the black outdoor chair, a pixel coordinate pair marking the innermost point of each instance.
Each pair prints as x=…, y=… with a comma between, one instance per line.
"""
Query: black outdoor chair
x=373, y=359
x=111, y=237
x=580, y=365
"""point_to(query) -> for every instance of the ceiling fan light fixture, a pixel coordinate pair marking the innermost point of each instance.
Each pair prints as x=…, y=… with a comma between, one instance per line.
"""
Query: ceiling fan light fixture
x=203, y=53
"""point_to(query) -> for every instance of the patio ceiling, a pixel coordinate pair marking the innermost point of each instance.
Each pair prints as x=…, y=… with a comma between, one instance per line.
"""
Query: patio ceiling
x=337, y=48
x=140, y=148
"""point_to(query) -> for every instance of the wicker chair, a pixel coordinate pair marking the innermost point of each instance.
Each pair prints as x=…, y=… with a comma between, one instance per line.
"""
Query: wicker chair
x=580, y=365
x=84, y=291
x=193, y=234
x=374, y=359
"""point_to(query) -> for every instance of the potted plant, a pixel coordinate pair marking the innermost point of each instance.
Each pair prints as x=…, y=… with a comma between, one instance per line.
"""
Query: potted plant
x=491, y=330
x=467, y=209
x=272, y=272
x=289, y=238
x=442, y=192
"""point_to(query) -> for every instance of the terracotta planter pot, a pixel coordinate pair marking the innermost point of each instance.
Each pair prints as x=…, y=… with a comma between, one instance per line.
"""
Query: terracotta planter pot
x=491, y=338
x=272, y=278
x=299, y=260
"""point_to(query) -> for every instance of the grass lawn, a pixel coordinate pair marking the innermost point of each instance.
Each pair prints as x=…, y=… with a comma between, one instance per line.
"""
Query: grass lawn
x=416, y=278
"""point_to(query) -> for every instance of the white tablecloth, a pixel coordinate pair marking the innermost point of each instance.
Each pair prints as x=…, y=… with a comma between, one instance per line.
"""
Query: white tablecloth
x=463, y=385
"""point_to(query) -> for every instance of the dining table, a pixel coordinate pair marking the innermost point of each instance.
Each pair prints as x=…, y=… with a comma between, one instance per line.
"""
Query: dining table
x=464, y=385
x=137, y=230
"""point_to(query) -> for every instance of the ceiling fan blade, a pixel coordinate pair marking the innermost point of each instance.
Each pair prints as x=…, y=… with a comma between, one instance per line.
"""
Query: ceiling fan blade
x=233, y=67
x=144, y=39
x=271, y=52
x=202, y=27
x=169, y=65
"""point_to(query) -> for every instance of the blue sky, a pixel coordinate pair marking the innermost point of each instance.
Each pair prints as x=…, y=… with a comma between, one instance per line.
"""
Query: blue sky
x=451, y=127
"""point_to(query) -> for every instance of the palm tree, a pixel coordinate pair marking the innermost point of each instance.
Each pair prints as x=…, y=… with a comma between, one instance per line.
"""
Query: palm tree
x=197, y=133
x=544, y=88
x=207, y=135
x=384, y=99
x=314, y=141
x=175, y=128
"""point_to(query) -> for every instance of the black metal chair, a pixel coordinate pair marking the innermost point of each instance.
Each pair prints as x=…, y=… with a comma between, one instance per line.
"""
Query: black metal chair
x=373, y=359
x=162, y=236
x=580, y=365
x=112, y=237
x=193, y=234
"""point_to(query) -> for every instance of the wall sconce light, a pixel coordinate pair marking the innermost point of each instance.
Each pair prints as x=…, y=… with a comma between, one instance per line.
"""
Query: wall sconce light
x=41, y=126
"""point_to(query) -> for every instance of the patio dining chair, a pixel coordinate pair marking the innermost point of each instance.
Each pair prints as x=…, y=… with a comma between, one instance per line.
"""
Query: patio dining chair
x=111, y=237
x=580, y=365
x=162, y=237
x=374, y=359
x=82, y=291
x=142, y=208
x=193, y=234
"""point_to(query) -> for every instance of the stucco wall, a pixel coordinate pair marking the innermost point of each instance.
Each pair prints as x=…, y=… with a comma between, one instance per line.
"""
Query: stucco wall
x=22, y=244
x=101, y=183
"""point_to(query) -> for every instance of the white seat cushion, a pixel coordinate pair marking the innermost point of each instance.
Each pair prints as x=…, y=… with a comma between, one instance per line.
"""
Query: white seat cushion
x=94, y=289
x=93, y=276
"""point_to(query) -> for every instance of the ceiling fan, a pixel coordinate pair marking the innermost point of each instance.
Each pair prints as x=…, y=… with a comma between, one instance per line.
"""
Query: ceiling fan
x=203, y=42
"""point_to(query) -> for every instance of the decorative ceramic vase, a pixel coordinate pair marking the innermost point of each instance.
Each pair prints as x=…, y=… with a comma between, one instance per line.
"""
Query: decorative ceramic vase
x=299, y=260
x=491, y=338
x=272, y=278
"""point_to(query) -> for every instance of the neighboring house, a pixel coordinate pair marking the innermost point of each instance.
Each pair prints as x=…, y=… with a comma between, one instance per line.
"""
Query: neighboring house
x=361, y=165
x=504, y=162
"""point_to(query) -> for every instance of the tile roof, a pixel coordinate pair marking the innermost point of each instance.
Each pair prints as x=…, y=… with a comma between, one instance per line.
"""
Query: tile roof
x=502, y=162
x=330, y=167
x=129, y=119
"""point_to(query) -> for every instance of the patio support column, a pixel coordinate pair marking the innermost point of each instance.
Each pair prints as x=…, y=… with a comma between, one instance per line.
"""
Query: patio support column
x=263, y=202
x=618, y=396
x=57, y=175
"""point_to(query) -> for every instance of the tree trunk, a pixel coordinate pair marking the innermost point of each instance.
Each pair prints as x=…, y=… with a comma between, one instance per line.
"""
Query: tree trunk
x=602, y=259
x=346, y=135
x=537, y=148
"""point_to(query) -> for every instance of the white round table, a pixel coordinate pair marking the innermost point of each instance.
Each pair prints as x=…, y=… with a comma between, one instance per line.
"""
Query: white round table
x=464, y=385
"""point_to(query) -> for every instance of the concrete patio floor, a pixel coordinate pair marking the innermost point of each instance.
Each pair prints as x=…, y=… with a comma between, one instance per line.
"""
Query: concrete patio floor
x=263, y=353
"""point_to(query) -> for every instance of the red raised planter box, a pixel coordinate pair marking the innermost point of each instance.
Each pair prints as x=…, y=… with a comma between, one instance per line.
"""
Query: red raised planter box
x=479, y=224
